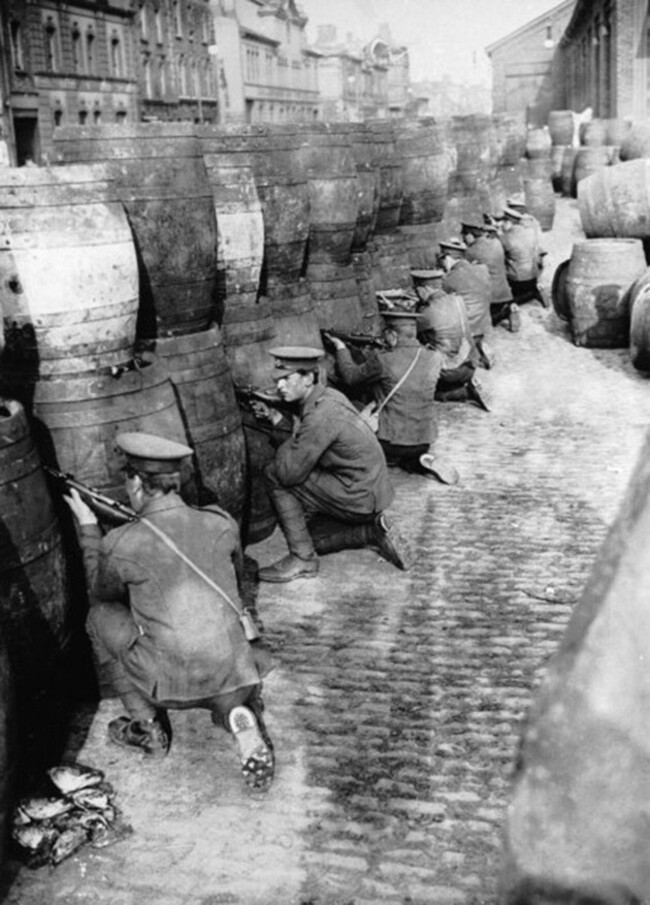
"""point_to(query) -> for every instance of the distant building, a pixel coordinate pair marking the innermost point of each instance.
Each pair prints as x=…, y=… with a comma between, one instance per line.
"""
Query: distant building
x=523, y=64
x=64, y=62
x=267, y=73
x=605, y=59
x=444, y=98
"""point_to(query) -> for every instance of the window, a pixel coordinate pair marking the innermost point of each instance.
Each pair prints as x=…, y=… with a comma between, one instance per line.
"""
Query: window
x=16, y=37
x=178, y=18
x=57, y=117
x=83, y=116
x=97, y=116
x=147, y=77
x=90, y=51
x=159, y=26
x=144, y=29
x=77, y=51
x=120, y=116
x=116, y=55
x=162, y=76
x=182, y=76
x=51, y=45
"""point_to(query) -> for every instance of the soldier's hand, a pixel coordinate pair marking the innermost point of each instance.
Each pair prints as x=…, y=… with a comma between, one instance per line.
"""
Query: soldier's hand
x=264, y=412
x=81, y=511
x=334, y=341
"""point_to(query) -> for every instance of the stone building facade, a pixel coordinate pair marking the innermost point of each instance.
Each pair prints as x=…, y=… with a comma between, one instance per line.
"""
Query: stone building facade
x=267, y=71
x=525, y=64
x=605, y=59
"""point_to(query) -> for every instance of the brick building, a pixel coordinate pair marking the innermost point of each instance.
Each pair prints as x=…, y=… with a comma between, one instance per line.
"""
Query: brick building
x=605, y=59
x=101, y=61
x=525, y=63
x=267, y=72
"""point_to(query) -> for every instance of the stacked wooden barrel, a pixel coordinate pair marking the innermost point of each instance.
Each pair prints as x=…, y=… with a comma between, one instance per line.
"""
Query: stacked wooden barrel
x=538, y=177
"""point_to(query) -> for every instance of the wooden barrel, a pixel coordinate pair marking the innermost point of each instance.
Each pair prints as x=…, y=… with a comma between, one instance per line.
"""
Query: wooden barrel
x=390, y=261
x=511, y=178
x=422, y=243
x=510, y=133
x=8, y=751
x=199, y=371
x=336, y=296
x=240, y=223
x=560, y=127
x=538, y=143
x=636, y=141
x=331, y=171
x=566, y=172
x=422, y=151
x=640, y=322
x=80, y=415
x=68, y=271
x=362, y=264
x=35, y=606
x=616, y=131
x=615, y=201
x=557, y=158
x=390, y=176
x=600, y=274
x=593, y=133
x=589, y=160
x=295, y=322
x=368, y=187
x=476, y=149
x=283, y=191
x=537, y=168
x=163, y=183
x=248, y=334
x=540, y=201
x=558, y=291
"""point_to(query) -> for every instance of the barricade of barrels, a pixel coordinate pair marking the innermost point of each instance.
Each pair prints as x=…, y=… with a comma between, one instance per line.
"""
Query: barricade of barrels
x=603, y=290
x=148, y=272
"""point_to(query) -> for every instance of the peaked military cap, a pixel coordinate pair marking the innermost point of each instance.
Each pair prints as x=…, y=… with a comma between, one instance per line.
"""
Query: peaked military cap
x=425, y=276
x=511, y=214
x=472, y=224
x=517, y=203
x=152, y=454
x=453, y=244
x=399, y=314
x=289, y=359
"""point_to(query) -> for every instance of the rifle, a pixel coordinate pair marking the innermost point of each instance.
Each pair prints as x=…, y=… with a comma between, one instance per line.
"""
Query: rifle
x=103, y=505
x=355, y=338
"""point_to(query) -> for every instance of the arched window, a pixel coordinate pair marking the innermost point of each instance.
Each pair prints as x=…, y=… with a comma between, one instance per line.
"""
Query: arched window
x=90, y=51
x=17, y=53
x=51, y=45
x=182, y=76
x=148, y=87
x=57, y=117
x=83, y=116
x=159, y=26
x=97, y=116
x=116, y=59
x=77, y=49
x=178, y=18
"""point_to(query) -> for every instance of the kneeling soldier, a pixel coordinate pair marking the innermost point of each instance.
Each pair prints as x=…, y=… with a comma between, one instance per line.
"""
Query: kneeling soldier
x=329, y=472
x=165, y=620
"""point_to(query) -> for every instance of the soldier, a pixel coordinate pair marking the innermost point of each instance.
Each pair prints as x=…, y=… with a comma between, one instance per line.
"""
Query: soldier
x=328, y=482
x=443, y=325
x=484, y=247
x=523, y=257
x=471, y=281
x=165, y=620
x=403, y=380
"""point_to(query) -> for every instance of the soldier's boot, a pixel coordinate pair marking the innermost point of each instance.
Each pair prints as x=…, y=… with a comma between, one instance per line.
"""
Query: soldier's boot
x=381, y=533
x=301, y=561
x=331, y=536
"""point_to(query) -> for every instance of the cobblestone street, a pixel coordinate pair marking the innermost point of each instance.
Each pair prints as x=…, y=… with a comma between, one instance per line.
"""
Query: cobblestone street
x=397, y=700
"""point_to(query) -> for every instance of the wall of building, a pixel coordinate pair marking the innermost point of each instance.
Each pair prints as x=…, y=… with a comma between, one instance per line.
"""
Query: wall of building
x=523, y=65
x=605, y=58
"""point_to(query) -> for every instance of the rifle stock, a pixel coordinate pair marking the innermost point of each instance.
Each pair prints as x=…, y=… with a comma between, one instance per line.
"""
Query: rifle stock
x=354, y=339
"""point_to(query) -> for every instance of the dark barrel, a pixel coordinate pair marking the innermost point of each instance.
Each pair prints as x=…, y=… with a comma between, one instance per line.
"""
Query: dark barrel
x=560, y=127
x=600, y=274
x=558, y=291
x=68, y=271
x=240, y=222
x=369, y=182
x=421, y=147
x=331, y=170
x=335, y=294
x=640, y=323
x=391, y=188
x=163, y=183
x=198, y=369
x=35, y=607
x=294, y=317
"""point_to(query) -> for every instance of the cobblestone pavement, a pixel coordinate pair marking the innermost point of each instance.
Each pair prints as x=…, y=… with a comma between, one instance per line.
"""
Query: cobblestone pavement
x=398, y=698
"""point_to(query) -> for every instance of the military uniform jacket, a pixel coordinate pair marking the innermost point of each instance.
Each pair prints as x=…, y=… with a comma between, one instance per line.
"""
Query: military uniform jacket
x=489, y=251
x=443, y=325
x=472, y=283
x=335, y=451
x=187, y=643
x=408, y=418
x=521, y=248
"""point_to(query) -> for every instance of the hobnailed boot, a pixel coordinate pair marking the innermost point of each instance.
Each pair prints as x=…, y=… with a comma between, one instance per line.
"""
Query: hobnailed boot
x=301, y=561
x=342, y=537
